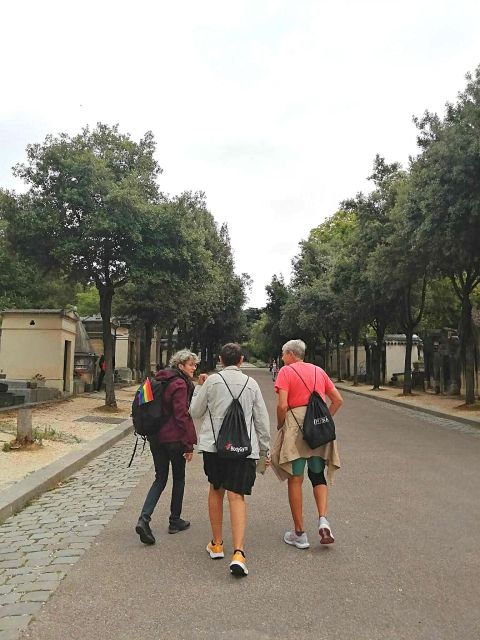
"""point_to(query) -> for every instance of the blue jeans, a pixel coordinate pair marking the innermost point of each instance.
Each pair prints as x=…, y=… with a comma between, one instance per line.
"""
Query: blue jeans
x=165, y=454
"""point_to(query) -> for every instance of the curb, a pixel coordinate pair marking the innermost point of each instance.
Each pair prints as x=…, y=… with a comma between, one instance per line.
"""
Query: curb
x=405, y=405
x=19, y=494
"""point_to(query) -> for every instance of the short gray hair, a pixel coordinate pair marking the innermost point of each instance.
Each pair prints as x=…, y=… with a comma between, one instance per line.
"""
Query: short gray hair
x=182, y=357
x=297, y=347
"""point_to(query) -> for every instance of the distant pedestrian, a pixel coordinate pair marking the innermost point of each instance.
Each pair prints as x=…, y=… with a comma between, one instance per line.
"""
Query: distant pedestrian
x=172, y=445
x=211, y=401
x=274, y=370
x=294, y=385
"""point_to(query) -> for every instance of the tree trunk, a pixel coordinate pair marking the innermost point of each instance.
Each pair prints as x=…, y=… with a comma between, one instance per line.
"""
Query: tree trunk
x=339, y=366
x=327, y=354
x=384, y=363
x=355, y=358
x=210, y=358
x=106, y=296
x=169, y=344
x=427, y=359
x=377, y=354
x=203, y=358
x=407, y=370
x=148, y=347
x=468, y=347
x=143, y=353
x=376, y=367
x=368, y=362
x=159, y=346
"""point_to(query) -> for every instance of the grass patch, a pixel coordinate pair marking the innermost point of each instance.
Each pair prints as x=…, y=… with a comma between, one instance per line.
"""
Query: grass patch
x=42, y=432
x=48, y=433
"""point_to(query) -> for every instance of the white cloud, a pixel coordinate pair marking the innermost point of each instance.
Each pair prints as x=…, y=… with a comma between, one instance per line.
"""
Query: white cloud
x=274, y=108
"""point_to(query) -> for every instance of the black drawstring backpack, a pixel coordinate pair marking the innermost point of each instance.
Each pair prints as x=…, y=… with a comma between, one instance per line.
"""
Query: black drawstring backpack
x=233, y=440
x=318, y=426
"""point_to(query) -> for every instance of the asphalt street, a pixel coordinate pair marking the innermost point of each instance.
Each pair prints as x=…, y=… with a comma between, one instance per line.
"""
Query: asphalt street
x=406, y=562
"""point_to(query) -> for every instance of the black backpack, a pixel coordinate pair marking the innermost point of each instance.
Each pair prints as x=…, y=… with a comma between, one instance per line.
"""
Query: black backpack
x=318, y=426
x=148, y=414
x=233, y=442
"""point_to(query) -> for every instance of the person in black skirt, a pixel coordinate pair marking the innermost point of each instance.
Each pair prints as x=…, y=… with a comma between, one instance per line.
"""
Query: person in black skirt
x=211, y=400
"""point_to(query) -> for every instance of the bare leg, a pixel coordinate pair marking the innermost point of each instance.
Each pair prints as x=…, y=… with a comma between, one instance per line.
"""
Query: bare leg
x=238, y=518
x=215, y=511
x=295, y=499
x=321, y=496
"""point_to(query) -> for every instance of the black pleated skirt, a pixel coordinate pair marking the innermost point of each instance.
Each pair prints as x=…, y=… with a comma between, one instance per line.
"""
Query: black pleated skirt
x=233, y=475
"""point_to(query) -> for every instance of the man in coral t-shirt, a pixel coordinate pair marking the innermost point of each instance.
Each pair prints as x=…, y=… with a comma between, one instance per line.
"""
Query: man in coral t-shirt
x=294, y=385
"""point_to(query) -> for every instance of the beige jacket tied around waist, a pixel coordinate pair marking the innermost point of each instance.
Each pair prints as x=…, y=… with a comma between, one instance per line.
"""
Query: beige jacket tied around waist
x=290, y=445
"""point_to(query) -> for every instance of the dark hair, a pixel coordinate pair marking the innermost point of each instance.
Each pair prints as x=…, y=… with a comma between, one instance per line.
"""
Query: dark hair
x=231, y=354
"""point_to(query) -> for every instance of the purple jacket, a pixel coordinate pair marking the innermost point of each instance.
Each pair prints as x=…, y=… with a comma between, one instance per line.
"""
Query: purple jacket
x=179, y=425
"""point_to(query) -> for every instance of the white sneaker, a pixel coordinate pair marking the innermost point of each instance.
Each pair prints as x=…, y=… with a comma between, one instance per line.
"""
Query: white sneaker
x=325, y=531
x=301, y=542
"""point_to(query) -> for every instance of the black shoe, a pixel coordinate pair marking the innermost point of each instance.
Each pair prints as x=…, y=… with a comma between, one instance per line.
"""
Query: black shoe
x=144, y=531
x=178, y=525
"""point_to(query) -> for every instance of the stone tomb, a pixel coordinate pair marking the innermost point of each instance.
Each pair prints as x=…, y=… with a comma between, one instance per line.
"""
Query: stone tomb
x=37, y=346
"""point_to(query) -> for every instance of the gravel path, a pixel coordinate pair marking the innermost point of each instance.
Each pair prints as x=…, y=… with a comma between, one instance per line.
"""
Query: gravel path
x=63, y=418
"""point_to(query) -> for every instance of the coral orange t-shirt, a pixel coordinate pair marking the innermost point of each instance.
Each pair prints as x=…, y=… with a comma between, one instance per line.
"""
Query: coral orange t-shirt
x=299, y=392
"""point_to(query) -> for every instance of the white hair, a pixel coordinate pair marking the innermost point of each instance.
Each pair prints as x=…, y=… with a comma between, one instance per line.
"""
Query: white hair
x=182, y=357
x=297, y=347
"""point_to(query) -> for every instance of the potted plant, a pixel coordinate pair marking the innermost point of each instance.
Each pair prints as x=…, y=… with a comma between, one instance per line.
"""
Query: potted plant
x=38, y=379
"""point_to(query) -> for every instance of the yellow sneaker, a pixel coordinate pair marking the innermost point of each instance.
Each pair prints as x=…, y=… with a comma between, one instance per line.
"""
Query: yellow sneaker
x=238, y=565
x=215, y=550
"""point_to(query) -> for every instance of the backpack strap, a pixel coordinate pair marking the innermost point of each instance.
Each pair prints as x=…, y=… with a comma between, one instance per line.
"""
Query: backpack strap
x=213, y=430
x=248, y=378
x=133, y=454
x=135, y=449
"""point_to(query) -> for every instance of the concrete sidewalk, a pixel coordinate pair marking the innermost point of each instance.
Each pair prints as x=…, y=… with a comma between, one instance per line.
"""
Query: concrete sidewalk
x=13, y=498
x=436, y=405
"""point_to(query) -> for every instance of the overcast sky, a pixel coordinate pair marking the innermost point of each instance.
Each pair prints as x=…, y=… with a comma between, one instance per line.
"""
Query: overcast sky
x=274, y=108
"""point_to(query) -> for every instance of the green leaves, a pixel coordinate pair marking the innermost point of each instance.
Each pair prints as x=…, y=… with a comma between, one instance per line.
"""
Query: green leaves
x=86, y=204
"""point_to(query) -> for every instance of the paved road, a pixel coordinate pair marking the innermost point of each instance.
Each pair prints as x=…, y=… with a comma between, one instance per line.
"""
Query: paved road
x=405, y=563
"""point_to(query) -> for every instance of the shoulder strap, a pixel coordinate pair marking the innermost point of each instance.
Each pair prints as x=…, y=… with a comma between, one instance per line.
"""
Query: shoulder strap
x=246, y=382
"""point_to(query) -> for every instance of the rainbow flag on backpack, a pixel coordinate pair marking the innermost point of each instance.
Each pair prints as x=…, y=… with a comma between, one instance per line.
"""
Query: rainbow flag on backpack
x=145, y=393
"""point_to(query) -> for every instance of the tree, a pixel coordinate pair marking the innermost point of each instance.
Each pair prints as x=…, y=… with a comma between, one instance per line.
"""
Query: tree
x=259, y=343
x=88, y=301
x=22, y=284
x=372, y=214
x=446, y=215
x=161, y=276
x=310, y=311
x=277, y=296
x=86, y=211
x=401, y=266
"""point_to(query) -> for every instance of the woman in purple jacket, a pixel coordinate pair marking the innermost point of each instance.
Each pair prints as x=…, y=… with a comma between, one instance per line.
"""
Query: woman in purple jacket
x=173, y=444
